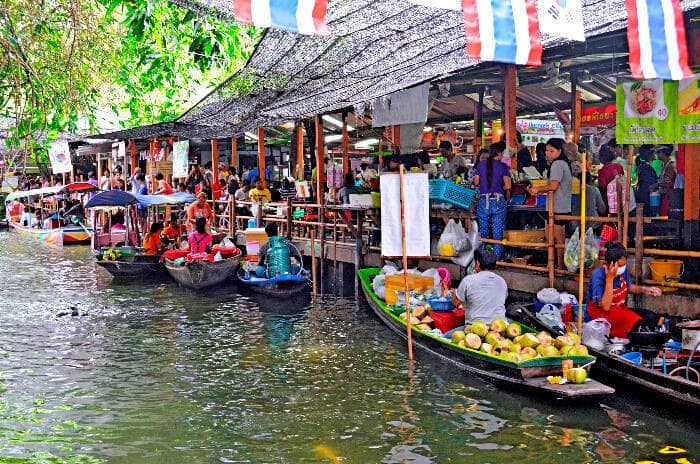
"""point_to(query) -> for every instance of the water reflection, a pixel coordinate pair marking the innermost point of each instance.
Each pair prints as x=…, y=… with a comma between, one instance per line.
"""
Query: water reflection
x=150, y=372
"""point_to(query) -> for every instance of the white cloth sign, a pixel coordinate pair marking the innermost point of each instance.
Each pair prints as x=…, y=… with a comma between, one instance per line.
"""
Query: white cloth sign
x=59, y=156
x=561, y=19
x=446, y=4
x=416, y=214
x=403, y=107
x=181, y=151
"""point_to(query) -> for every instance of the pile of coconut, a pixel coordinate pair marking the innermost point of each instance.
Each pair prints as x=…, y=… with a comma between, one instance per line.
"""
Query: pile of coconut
x=508, y=342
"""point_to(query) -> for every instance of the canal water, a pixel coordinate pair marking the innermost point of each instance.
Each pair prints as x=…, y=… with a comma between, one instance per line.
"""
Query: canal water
x=94, y=370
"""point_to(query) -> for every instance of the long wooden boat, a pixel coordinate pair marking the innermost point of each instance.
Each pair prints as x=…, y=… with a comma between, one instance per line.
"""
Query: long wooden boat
x=526, y=376
x=138, y=265
x=618, y=370
x=198, y=274
x=286, y=285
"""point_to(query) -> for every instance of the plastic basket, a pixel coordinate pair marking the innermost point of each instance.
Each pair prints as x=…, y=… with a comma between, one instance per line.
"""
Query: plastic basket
x=448, y=192
x=441, y=303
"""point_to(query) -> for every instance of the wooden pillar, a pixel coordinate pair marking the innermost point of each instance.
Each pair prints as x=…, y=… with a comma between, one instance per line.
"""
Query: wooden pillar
x=99, y=170
x=261, y=152
x=551, y=245
x=628, y=193
x=510, y=109
x=300, y=151
x=478, y=123
x=234, y=153
x=691, y=193
x=133, y=161
x=320, y=165
x=346, y=145
x=215, y=160
x=396, y=136
x=575, y=111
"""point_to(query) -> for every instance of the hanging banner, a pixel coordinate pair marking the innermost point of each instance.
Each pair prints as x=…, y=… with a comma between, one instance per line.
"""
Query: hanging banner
x=181, y=152
x=562, y=19
x=689, y=110
x=59, y=156
x=536, y=131
x=598, y=115
x=416, y=214
x=647, y=111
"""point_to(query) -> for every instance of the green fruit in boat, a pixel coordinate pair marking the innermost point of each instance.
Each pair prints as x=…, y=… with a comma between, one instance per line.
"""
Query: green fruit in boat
x=528, y=353
x=473, y=341
x=486, y=348
x=578, y=350
x=515, y=348
x=499, y=325
x=512, y=357
x=461, y=343
x=513, y=330
x=544, y=338
x=575, y=338
x=479, y=328
x=493, y=338
x=529, y=339
x=505, y=344
x=576, y=375
x=457, y=336
x=548, y=350
x=564, y=351
x=563, y=340
x=517, y=339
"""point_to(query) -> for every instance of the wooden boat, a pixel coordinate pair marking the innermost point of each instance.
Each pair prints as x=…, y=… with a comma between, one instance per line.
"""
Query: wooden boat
x=121, y=262
x=197, y=274
x=286, y=285
x=3, y=224
x=527, y=376
x=620, y=371
x=69, y=234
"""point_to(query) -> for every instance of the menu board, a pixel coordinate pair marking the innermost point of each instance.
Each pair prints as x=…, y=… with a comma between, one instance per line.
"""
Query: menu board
x=689, y=110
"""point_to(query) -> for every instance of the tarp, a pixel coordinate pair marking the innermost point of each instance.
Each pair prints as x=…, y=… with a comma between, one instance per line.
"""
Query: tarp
x=112, y=198
x=74, y=187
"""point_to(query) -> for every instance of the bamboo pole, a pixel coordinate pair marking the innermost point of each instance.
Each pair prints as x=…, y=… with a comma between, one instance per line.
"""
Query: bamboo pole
x=404, y=258
x=628, y=193
x=261, y=153
x=346, y=145
x=527, y=267
x=234, y=154
x=215, y=161
x=551, y=251
x=515, y=244
x=300, y=152
x=673, y=284
x=581, y=256
x=313, y=262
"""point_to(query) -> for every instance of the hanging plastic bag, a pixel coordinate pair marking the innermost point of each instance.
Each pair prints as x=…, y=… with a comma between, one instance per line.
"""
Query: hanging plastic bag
x=591, y=249
x=595, y=333
x=467, y=257
x=550, y=315
x=453, y=240
x=612, y=195
x=572, y=251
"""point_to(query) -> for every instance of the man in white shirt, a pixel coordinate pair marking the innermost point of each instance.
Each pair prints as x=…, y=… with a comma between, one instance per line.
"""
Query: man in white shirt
x=451, y=162
x=483, y=294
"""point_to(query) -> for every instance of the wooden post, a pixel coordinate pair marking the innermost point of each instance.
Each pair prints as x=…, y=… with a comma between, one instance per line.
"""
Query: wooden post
x=290, y=207
x=346, y=145
x=232, y=217
x=215, y=160
x=396, y=136
x=99, y=170
x=261, y=152
x=509, y=73
x=691, y=193
x=234, y=153
x=478, y=121
x=133, y=160
x=576, y=116
x=320, y=165
x=638, y=244
x=300, y=151
x=313, y=262
x=359, y=257
x=581, y=256
x=628, y=193
x=551, y=251
x=404, y=257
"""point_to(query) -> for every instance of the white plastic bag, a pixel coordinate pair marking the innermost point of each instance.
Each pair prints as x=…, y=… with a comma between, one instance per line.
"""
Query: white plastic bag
x=465, y=258
x=550, y=315
x=453, y=240
x=572, y=250
x=595, y=333
x=548, y=295
x=227, y=243
x=217, y=257
x=433, y=272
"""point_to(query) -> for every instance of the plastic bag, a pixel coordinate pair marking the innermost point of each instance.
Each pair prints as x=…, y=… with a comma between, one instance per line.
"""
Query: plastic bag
x=572, y=250
x=227, y=243
x=467, y=257
x=453, y=240
x=379, y=286
x=591, y=249
x=612, y=195
x=549, y=295
x=595, y=333
x=550, y=315
x=217, y=257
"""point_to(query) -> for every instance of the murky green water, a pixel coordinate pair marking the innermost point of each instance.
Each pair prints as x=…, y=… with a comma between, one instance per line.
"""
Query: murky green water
x=151, y=373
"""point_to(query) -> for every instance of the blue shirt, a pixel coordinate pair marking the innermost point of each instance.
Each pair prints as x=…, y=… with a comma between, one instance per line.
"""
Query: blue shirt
x=500, y=170
x=596, y=287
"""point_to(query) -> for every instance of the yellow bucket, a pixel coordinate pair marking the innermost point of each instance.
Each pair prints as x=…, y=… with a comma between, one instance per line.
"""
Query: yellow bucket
x=665, y=269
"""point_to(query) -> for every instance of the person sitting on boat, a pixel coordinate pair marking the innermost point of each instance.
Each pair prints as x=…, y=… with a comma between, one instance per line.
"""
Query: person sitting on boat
x=27, y=216
x=483, y=294
x=200, y=240
x=607, y=294
x=272, y=231
x=151, y=241
x=36, y=220
x=200, y=208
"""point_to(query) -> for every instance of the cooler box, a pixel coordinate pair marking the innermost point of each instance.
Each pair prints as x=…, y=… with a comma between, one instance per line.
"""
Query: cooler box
x=256, y=235
x=395, y=283
x=447, y=320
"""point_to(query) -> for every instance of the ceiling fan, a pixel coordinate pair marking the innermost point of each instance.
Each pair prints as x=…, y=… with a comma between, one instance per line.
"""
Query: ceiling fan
x=554, y=77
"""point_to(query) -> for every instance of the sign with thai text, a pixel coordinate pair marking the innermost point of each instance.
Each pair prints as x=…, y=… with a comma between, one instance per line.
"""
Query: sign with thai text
x=598, y=115
x=536, y=131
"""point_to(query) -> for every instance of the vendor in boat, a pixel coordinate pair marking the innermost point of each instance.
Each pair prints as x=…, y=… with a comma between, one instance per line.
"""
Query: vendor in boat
x=483, y=294
x=607, y=294
x=151, y=241
x=200, y=240
x=200, y=208
x=272, y=231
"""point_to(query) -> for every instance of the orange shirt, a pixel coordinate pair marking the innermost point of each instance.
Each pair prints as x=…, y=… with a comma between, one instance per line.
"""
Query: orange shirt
x=194, y=212
x=152, y=244
x=172, y=232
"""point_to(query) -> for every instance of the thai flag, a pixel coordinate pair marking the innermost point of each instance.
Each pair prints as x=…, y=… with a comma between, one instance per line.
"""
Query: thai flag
x=302, y=16
x=656, y=40
x=507, y=31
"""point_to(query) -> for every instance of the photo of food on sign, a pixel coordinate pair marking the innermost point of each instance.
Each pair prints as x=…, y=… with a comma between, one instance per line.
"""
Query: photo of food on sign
x=645, y=99
x=689, y=97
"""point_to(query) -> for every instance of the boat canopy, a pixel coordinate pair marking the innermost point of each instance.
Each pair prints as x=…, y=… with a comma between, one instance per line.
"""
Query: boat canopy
x=80, y=187
x=120, y=198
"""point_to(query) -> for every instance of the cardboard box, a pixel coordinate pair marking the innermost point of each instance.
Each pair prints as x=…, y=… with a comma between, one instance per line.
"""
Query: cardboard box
x=416, y=282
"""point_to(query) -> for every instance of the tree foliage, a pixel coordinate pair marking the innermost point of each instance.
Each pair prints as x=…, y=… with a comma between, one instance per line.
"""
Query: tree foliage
x=147, y=60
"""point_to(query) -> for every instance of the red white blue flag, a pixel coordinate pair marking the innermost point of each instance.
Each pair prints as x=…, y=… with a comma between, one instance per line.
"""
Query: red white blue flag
x=656, y=40
x=506, y=31
x=302, y=16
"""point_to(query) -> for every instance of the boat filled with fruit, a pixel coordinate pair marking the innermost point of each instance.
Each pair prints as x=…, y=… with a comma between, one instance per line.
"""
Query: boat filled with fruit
x=503, y=352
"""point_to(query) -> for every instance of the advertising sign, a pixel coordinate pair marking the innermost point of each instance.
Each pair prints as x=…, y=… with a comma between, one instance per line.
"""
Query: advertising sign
x=536, y=131
x=646, y=111
x=598, y=115
x=689, y=110
x=59, y=156
x=181, y=151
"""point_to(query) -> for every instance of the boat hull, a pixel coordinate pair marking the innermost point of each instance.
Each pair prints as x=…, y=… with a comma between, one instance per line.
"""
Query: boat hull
x=62, y=235
x=140, y=266
x=621, y=372
x=532, y=380
x=201, y=274
x=284, y=286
